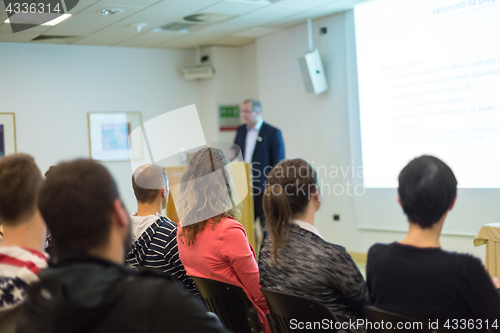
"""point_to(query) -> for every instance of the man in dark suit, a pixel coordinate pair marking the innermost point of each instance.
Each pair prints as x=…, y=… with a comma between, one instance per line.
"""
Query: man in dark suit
x=261, y=145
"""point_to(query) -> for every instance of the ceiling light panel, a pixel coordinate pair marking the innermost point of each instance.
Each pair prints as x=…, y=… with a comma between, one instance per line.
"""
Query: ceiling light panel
x=308, y=4
x=235, y=7
x=88, y=21
x=192, y=6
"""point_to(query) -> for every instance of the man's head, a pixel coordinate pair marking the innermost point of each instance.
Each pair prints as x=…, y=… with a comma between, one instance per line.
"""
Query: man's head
x=251, y=111
x=427, y=190
x=82, y=208
x=150, y=184
x=20, y=180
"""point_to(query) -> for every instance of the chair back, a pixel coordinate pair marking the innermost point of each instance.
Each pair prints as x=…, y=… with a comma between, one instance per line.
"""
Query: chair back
x=287, y=311
x=375, y=316
x=230, y=304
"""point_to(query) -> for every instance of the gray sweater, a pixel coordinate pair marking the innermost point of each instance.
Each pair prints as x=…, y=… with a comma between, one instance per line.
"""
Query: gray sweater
x=311, y=267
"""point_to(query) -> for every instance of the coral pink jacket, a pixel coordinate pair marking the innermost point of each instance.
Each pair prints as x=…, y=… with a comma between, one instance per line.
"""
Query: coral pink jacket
x=223, y=253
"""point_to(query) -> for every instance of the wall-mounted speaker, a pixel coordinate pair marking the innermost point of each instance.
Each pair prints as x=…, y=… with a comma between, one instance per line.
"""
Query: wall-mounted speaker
x=312, y=72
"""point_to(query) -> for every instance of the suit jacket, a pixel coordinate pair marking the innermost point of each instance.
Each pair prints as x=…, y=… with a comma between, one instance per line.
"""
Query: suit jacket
x=268, y=152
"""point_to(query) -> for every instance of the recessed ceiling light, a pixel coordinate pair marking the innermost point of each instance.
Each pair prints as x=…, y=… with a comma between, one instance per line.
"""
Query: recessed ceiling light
x=114, y=11
x=53, y=22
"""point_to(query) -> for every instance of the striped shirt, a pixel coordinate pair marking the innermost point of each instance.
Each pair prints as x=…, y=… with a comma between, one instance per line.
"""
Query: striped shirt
x=155, y=246
x=19, y=267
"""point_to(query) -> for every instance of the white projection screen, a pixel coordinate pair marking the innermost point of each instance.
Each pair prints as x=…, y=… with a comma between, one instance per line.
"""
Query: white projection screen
x=426, y=80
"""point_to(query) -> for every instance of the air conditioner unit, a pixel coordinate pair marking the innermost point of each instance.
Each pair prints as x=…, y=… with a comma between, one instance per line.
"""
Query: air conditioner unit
x=198, y=72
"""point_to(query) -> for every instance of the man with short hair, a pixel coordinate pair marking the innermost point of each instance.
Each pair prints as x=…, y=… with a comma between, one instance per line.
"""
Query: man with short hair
x=87, y=288
x=415, y=277
x=22, y=246
x=154, y=236
x=262, y=146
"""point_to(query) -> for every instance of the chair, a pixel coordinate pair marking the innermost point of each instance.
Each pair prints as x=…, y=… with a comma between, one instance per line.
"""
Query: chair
x=230, y=304
x=288, y=310
x=375, y=316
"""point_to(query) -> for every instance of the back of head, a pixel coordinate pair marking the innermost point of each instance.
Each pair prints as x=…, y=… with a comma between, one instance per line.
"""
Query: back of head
x=20, y=180
x=427, y=188
x=206, y=192
x=76, y=202
x=147, y=181
x=291, y=185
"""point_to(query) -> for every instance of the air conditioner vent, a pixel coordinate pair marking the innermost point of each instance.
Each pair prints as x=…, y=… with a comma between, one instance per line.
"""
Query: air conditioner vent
x=45, y=37
x=176, y=27
x=207, y=18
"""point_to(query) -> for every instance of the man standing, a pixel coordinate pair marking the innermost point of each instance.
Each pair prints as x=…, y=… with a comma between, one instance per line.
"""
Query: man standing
x=21, y=250
x=261, y=145
x=87, y=288
x=154, y=236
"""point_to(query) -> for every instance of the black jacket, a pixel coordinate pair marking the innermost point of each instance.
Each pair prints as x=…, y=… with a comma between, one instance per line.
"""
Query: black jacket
x=85, y=294
x=269, y=151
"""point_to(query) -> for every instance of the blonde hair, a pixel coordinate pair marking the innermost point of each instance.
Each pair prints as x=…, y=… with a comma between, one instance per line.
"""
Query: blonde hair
x=203, y=200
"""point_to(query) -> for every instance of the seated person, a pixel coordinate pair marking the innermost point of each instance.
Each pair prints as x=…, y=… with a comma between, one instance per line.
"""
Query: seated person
x=212, y=243
x=154, y=236
x=86, y=287
x=295, y=259
x=21, y=250
x=415, y=277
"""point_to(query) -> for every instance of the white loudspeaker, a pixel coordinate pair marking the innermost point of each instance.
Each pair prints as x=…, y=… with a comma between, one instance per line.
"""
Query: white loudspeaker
x=312, y=72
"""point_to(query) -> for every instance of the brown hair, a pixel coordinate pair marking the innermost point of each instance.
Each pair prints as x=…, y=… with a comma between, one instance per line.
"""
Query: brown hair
x=291, y=184
x=148, y=182
x=76, y=202
x=20, y=180
x=199, y=198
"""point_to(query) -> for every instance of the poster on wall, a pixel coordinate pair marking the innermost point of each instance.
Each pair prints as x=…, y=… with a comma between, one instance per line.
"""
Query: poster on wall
x=7, y=134
x=109, y=136
x=229, y=117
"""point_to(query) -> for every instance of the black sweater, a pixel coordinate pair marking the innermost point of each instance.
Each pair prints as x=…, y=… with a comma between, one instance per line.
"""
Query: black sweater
x=311, y=267
x=429, y=283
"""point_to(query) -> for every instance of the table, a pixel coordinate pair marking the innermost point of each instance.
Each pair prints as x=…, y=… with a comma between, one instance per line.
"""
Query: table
x=489, y=234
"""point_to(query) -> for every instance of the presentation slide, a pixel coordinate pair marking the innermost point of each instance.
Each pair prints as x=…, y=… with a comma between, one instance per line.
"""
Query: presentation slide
x=429, y=83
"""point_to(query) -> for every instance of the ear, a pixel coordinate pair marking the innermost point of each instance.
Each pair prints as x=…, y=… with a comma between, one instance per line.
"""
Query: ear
x=400, y=201
x=120, y=213
x=453, y=203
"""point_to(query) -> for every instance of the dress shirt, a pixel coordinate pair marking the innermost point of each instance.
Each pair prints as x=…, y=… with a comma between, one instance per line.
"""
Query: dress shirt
x=307, y=226
x=251, y=140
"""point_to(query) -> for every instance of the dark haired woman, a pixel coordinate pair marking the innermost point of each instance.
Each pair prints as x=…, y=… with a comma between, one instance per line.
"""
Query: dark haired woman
x=295, y=258
x=212, y=243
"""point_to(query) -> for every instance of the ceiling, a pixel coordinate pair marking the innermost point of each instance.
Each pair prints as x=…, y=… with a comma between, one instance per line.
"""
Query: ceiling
x=249, y=19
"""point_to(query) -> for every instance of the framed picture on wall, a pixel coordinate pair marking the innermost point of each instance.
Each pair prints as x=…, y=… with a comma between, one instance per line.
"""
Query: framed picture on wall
x=109, y=136
x=8, y=143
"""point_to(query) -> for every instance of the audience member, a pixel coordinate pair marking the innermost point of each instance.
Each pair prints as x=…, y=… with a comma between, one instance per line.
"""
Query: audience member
x=154, y=236
x=295, y=258
x=21, y=250
x=212, y=243
x=415, y=277
x=87, y=288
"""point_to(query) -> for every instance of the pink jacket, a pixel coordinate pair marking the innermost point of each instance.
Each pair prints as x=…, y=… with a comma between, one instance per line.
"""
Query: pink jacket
x=224, y=254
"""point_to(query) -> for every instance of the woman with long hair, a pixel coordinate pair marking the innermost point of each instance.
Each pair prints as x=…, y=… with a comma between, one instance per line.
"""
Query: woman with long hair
x=295, y=258
x=212, y=243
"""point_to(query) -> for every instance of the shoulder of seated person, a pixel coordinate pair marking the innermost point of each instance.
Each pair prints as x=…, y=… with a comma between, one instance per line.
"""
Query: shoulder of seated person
x=164, y=219
x=229, y=222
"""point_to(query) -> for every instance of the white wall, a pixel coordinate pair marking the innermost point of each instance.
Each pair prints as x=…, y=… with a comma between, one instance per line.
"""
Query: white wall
x=234, y=81
x=51, y=88
x=316, y=127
